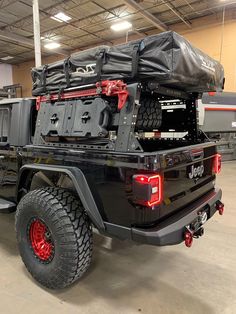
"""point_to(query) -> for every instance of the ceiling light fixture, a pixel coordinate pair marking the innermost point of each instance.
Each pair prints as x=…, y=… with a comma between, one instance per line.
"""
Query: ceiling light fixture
x=61, y=17
x=7, y=58
x=121, y=26
x=52, y=45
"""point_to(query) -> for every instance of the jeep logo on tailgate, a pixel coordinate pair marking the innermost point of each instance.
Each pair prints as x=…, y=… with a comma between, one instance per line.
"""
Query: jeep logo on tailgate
x=196, y=171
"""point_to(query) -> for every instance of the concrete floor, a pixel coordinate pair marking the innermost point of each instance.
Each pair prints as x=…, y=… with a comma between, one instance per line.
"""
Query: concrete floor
x=130, y=278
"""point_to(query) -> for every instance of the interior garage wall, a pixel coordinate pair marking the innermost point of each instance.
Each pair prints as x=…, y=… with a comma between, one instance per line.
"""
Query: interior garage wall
x=5, y=75
x=207, y=37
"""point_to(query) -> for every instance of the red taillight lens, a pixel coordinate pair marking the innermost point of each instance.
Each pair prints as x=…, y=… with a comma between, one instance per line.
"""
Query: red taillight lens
x=147, y=189
x=217, y=164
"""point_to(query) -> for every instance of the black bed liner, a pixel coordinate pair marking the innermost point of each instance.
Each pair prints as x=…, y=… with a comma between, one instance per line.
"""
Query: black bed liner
x=166, y=58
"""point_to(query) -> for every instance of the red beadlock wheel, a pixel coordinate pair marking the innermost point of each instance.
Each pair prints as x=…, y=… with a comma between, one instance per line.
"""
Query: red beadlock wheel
x=41, y=240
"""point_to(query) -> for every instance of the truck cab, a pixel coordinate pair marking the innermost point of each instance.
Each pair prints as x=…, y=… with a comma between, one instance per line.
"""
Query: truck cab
x=17, y=126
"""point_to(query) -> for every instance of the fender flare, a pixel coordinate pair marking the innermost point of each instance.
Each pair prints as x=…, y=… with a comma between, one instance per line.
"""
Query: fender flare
x=80, y=183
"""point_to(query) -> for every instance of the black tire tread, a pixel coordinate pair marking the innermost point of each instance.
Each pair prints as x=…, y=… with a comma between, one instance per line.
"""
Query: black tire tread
x=149, y=115
x=74, y=227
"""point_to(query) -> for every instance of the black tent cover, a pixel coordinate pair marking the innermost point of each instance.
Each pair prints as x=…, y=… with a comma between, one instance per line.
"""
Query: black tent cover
x=166, y=58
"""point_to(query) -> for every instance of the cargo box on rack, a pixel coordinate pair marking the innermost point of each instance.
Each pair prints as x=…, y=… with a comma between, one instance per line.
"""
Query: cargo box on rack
x=166, y=58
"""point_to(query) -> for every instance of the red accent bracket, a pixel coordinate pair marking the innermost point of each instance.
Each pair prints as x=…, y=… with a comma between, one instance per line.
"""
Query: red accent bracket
x=112, y=88
x=38, y=101
x=109, y=88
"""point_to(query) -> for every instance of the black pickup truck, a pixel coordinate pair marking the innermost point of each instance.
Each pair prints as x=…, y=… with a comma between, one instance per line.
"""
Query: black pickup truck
x=111, y=141
x=160, y=196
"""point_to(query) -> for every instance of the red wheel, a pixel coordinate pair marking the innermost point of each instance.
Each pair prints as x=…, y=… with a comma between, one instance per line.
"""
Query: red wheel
x=54, y=236
x=41, y=240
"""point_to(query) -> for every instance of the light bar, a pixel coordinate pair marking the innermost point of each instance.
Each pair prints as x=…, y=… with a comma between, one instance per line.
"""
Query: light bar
x=52, y=45
x=61, y=17
x=121, y=26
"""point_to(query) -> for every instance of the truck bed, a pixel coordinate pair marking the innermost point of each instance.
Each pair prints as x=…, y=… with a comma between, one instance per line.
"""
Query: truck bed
x=110, y=176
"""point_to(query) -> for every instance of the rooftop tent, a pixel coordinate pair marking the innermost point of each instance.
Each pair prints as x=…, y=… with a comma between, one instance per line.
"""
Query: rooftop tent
x=166, y=58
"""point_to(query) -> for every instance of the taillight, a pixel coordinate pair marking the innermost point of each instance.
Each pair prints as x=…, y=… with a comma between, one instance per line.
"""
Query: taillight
x=147, y=189
x=217, y=164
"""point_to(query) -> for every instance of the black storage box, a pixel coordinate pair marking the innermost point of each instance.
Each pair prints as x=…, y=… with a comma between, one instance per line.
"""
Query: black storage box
x=166, y=58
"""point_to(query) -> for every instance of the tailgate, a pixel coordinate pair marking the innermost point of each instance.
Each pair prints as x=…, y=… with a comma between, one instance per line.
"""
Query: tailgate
x=188, y=174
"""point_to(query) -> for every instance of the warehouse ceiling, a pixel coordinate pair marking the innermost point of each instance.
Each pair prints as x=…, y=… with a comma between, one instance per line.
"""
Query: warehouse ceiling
x=91, y=21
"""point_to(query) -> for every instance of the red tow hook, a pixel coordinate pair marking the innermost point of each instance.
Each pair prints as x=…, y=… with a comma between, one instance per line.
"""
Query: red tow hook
x=220, y=207
x=190, y=234
x=188, y=238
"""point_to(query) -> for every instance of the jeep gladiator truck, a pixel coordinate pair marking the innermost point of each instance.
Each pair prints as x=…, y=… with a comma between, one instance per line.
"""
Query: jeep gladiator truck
x=61, y=189
x=123, y=155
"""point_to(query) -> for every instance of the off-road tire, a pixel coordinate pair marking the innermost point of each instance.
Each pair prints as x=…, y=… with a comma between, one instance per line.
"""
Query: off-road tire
x=71, y=232
x=149, y=116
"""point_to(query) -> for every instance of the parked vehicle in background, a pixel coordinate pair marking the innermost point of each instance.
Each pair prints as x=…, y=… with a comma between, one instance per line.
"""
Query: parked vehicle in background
x=217, y=118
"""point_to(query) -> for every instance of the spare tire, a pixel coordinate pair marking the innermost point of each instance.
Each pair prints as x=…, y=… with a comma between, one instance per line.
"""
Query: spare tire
x=149, y=116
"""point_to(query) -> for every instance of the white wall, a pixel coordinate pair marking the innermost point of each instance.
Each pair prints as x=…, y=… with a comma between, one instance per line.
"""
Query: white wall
x=5, y=74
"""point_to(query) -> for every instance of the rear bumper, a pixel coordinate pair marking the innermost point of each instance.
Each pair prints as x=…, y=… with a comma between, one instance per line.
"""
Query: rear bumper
x=171, y=231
